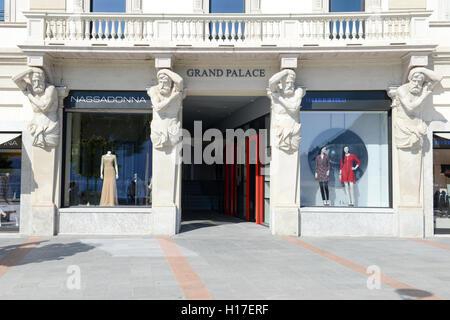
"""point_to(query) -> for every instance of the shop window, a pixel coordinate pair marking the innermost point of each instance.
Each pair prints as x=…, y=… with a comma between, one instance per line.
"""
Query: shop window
x=108, y=5
x=108, y=159
x=346, y=5
x=345, y=149
x=10, y=175
x=2, y=10
x=441, y=183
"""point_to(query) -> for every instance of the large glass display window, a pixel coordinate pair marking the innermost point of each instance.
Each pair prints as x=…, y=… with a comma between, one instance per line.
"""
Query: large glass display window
x=345, y=151
x=441, y=182
x=108, y=159
x=10, y=177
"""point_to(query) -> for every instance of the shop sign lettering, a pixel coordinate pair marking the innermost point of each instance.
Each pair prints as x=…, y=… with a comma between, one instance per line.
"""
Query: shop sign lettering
x=108, y=99
x=225, y=73
x=15, y=143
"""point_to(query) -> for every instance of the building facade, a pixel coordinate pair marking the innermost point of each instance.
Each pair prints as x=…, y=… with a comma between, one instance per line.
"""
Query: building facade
x=313, y=117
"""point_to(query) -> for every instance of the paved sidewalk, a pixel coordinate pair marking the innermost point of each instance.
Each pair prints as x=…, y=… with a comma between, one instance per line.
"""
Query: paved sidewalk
x=218, y=257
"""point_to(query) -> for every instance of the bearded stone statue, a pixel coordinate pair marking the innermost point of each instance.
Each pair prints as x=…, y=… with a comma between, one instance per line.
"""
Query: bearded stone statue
x=167, y=97
x=44, y=127
x=409, y=130
x=407, y=101
x=285, y=99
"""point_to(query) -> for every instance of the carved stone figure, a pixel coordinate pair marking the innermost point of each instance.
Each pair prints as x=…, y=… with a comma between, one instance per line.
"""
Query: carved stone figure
x=286, y=101
x=408, y=132
x=167, y=97
x=407, y=100
x=44, y=127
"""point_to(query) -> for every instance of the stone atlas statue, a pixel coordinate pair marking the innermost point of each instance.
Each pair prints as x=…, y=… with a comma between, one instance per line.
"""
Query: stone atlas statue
x=167, y=97
x=44, y=127
x=409, y=129
x=285, y=100
x=407, y=101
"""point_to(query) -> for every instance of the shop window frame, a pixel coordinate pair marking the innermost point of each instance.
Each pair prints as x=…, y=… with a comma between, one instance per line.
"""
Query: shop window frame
x=384, y=107
x=66, y=110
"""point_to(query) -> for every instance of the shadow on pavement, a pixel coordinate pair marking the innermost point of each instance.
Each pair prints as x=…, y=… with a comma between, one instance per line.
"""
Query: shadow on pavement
x=195, y=220
x=408, y=294
x=38, y=254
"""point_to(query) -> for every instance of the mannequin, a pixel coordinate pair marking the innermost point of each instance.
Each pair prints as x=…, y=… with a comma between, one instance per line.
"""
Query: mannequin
x=322, y=174
x=347, y=176
x=3, y=214
x=109, y=170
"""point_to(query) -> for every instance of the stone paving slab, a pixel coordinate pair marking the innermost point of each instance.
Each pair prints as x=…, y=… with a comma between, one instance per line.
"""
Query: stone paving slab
x=232, y=259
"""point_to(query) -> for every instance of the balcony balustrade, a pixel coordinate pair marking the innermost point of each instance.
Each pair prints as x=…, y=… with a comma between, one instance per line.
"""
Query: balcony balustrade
x=238, y=30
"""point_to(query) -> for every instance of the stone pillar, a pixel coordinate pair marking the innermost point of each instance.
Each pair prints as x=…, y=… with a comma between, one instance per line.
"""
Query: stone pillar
x=77, y=6
x=198, y=6
x=320, y=6
x=134, y=6
x=166, y=97
x=409, y=130
x=373, y=6
x=285, y=143
x=45, y=129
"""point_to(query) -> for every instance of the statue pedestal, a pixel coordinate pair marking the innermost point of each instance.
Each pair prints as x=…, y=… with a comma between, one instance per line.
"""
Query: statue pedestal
x=410, y=205
x=166, y=188
x=410, y=174
x=42, y=198
x=410, y=222
x=285, y=193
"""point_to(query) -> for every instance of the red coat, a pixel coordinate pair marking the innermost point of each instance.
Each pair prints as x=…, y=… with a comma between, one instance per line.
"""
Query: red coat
x=347, y=174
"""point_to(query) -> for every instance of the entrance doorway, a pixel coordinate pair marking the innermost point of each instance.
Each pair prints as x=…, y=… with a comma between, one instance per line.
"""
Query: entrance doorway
x=441, y=182
x=237, y=189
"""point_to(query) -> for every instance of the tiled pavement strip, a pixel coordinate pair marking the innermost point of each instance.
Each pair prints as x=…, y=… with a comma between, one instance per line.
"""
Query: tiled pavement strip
x=223, y=258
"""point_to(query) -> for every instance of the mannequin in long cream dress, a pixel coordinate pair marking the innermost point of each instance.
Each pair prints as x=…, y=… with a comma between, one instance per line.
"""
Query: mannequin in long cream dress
x=109, y=173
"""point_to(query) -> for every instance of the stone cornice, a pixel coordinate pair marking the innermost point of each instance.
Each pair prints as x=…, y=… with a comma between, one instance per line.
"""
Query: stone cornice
x=148, y=52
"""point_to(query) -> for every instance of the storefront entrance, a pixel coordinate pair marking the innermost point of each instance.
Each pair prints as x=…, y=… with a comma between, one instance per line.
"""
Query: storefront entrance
x=441, y=182
x=10, y=176
x=238, y=187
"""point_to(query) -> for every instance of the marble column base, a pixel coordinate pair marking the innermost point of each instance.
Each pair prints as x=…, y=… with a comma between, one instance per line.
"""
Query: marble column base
x=165, y=220
x=44, y=219
x=286, y=221
x=410, y=222
x=410, y=172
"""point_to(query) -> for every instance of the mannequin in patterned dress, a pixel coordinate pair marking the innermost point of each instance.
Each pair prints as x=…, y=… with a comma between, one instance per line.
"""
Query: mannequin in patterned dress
x=322, y=174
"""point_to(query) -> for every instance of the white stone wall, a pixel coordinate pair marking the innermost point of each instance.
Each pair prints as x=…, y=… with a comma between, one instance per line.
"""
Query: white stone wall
x=15, y=112
x=346, y=71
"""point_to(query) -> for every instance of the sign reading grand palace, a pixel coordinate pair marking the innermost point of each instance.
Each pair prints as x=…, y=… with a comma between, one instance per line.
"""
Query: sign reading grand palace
x=108, y=99
x=226, y=73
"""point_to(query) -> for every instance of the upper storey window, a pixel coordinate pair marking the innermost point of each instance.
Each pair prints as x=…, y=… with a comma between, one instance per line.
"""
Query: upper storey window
x=226, y=6
x=2, y=10
x=107, y=5
x=346, y=5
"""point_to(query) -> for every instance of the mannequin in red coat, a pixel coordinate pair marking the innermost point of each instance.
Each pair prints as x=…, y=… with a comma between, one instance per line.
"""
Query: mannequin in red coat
x=347, y=176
